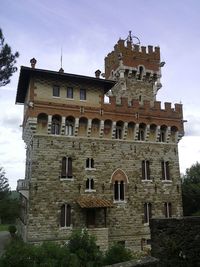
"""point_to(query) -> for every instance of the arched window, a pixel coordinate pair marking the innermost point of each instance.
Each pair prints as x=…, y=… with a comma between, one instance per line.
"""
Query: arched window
x=119, y=130
x=141, y=132
x=119, y=181
x=65, y=215
x=69, y=126
x=163, y=133
x=42, y=121
x=56, y=124
x=66, y=168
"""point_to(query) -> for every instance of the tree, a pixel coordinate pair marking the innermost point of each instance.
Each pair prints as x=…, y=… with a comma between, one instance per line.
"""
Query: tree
x=7, y=61
x=191, y=190
x=4, y=185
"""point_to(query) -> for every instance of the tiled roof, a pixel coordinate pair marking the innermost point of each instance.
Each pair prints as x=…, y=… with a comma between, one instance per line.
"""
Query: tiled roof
x=93, y=202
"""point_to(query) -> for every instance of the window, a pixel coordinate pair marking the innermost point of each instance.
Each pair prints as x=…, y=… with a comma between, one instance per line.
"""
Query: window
x=82, y=94
x=69, y=127
x=66, y=170
x=165, y=170
x=65, y=216
x=168, y=209
x=145, y=170
x=89, y=163
x=70, y=92
x=55, y=126
x=56, y=91
x=147, y=212
x=90, y=184
x=119, y=189
x=118, y=133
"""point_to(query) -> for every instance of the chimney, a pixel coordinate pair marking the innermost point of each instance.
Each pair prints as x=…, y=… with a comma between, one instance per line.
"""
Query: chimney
x=97, y=73
x=61, y=70
x=33, y=61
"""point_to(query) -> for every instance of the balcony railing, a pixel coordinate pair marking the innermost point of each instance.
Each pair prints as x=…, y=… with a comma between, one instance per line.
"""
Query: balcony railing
x=22, y=184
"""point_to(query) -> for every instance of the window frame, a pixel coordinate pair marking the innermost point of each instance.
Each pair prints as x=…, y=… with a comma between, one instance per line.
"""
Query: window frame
x=83, y=95
x=168, y=209
x=119, y=191
x=56, y=87
x=90, y=185
x=147, y=212
x=146, y=173
x=89, y=164
x=66, y=168
x=65, y=216
x=165, y=170
x=70, y=93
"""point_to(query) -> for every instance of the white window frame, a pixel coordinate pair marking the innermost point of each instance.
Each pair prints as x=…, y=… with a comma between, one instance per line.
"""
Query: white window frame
x=147, y=207
x=90, y=164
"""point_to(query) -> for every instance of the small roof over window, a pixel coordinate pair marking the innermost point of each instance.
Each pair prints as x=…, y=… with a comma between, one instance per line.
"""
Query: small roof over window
x=88, y=202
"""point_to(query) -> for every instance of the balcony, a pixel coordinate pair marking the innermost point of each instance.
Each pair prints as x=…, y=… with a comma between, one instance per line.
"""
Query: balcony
x=23, y=187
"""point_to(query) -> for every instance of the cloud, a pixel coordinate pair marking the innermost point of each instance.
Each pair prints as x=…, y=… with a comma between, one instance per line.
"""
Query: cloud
x=192, y=127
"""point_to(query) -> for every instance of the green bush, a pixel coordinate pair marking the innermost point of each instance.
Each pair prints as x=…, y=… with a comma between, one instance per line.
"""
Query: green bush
x=117, y=253
x=84, y=247
x=12, y=229
x=20, y=254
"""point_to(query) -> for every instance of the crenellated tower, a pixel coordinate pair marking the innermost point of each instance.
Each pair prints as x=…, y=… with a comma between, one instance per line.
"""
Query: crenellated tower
x=137, y=70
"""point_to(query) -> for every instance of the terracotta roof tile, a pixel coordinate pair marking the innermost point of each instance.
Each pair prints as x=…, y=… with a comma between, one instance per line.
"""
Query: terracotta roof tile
x=86, y=201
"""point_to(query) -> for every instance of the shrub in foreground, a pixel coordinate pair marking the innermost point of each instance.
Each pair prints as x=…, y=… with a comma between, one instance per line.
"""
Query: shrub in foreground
x=117, y=253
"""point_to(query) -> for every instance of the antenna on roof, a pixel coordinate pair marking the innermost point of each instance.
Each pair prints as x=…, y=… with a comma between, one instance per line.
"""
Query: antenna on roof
x=61, y=69
x=131, y=37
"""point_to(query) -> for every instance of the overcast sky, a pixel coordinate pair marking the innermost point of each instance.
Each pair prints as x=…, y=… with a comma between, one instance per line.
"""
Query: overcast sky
x=87, y=30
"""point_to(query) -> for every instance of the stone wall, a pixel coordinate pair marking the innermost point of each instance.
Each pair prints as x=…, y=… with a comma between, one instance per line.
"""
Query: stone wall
x=125, y=220
x=176, y=242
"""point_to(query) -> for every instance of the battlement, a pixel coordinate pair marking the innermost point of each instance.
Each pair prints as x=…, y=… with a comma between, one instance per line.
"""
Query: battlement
x=146, y=108
x=132, y=56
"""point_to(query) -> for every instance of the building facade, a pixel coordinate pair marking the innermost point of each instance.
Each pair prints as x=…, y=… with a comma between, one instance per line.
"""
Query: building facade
x=108, y=166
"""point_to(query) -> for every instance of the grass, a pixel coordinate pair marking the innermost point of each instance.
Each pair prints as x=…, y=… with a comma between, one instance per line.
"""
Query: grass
x=3, y=227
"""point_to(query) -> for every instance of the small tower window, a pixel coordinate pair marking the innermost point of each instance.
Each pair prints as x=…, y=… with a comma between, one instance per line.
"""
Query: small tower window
x=145, y=170
x=165, y=170
x=141, y=70
x=168, y=209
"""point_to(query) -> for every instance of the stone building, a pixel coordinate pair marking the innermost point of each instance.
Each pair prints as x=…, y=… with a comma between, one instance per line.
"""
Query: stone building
x=108, y=166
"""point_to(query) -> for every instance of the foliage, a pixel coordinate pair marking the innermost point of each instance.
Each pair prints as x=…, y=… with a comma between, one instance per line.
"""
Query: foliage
x=80, y=251
x=191, y=190
x=3, y=227
x=20, y=254
x=7, y=61
x=84, y=247
x=9, y=206
x=12, y=229
x=4, y=185
x=117, y=253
